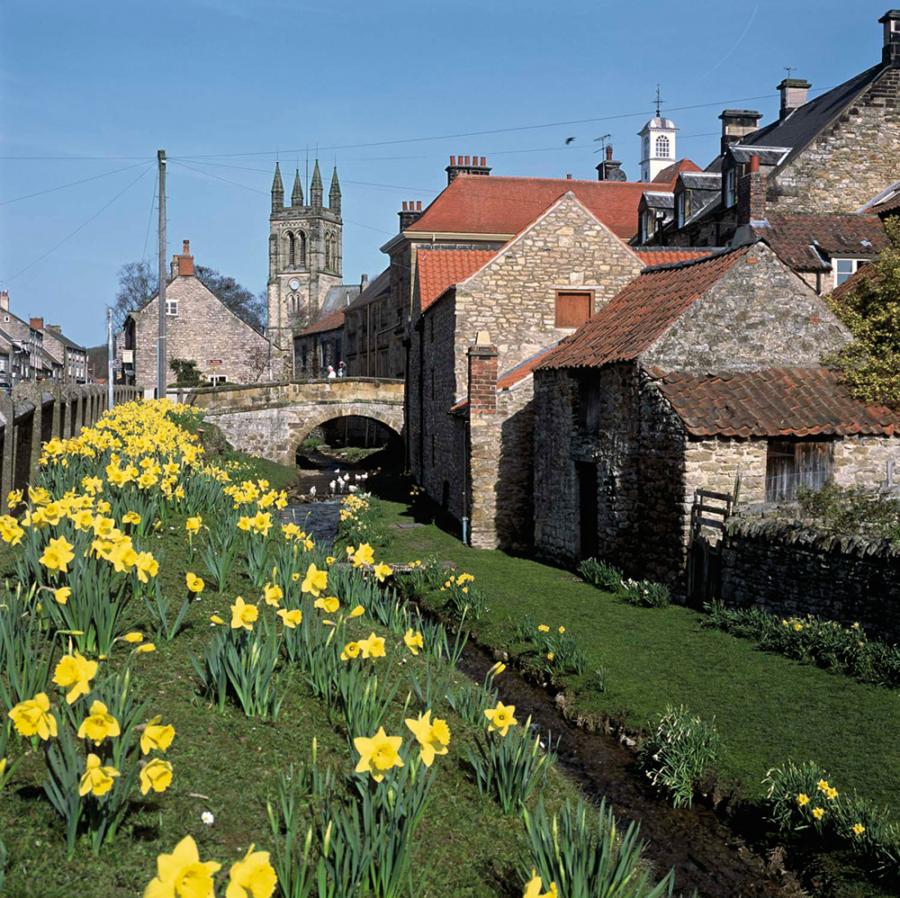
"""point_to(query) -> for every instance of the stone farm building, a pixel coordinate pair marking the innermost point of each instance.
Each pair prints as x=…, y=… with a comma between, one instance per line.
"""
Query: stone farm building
x=199, y=328
x=695, y=375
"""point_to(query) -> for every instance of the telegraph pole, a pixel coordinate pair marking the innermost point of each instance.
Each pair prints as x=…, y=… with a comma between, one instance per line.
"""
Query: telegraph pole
x=161, y=342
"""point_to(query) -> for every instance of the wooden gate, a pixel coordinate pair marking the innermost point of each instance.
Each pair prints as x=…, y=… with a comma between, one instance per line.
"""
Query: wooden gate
x=709, y=514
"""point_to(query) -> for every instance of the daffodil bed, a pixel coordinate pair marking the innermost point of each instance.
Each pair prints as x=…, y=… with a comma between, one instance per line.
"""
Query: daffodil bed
x=767, y=709
x=197, y=701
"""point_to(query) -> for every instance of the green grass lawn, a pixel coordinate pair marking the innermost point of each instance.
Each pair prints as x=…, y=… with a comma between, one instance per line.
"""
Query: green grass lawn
x=767, y=708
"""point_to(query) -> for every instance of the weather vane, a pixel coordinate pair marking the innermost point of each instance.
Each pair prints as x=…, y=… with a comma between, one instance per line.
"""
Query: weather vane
x=659, y=101
x=789, y=69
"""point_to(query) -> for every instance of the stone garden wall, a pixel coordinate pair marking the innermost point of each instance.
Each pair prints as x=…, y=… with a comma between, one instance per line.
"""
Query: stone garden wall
x=787, y=570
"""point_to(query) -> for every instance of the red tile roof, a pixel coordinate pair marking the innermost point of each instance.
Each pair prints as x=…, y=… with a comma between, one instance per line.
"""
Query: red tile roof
x=475, y=204
x=666, y=256
x=863, y=275
x=791, y=236
x=331, y=322
x=671, y=172
x=641, y=312
x=773, y=402
x=442, y=268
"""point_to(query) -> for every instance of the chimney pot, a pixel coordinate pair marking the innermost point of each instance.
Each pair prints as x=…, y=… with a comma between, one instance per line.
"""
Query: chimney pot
x=418, y=205
x=36, y=323
x=468, y=160
x=609, y=151
x=4, y=300
x=453, y=160
x=186, y=247
x=483, y=161
x=404, y=205
x=754, y=163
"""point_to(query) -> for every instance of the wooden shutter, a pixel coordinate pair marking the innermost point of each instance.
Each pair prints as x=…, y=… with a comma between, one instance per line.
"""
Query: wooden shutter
x=573, y=308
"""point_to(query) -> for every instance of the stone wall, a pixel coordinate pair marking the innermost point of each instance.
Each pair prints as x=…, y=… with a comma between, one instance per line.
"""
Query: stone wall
x=204, y=331
x=849, y=162
x=758, y=314
x=863, y=461
x=788, y=571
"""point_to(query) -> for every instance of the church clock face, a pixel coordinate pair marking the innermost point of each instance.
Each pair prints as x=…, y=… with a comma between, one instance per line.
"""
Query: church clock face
x=294, y=284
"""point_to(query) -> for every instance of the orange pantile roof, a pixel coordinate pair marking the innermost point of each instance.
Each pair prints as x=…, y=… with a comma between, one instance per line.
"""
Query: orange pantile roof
x=641, y=312
x=442, y=268
x=670, y=256
x=475, y=204
x=773, y=402
x=671, y=172
x=331, y=322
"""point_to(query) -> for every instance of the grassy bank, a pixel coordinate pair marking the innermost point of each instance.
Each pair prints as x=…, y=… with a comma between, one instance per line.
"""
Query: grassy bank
x=767, y=708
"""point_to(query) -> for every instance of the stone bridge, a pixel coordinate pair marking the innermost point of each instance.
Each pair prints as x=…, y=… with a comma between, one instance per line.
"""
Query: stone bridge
x=272, y=420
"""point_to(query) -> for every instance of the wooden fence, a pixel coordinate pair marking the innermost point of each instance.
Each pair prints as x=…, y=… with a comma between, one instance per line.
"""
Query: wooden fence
x=36, y=413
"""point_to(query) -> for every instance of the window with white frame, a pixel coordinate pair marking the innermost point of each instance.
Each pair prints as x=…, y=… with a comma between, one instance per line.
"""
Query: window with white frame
x=662, y=146
x=217, y=379
x=845, y=268
x=171, y=306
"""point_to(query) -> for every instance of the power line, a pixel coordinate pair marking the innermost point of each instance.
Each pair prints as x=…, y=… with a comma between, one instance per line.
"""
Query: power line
x=80, y=227
x=106, y=174
x=149, y=221
x=70, y=158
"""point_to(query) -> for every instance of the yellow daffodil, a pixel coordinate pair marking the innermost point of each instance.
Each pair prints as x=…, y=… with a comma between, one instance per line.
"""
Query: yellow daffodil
x=215, y=620
x=134, y=637
x=363, y=555
x=272, y=594
x=34, y=718
x=10, y=530
x=131, y=517
x=560, y=630
x=382, y=571
x=823, y=786
x=378, y=754
x=330, y=560
x=192, y=525
x=99, y=724
x=252, y=877
x=75, y=672
x=57, y=555
x=413, y=640
x=146, y=648
x=243, y=615
x=831, y=793
x=156, y=736
x=358, y=611
x=182, y=874
x=262, y=523
x=802, y=799
x=351, y=650
x=818, y=813
x=433, y=736
x=496, y=669
x=858, y=829
x=146, y=566
x=372, y=646
x=501, y=718
x=535, y=884
x=329, y=604
x=543, y=628
x=97, y=779
x=315, y=582
x=62, y=595
x=290, y=618
x=194, y=583
x=156, y=775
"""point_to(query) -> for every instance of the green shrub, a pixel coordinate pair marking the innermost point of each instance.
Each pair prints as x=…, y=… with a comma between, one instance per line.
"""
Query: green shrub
x=601, y=574
x=645, y=593
x=813, y=640
x=678, y=753
x=849, y=511
x=582, y=850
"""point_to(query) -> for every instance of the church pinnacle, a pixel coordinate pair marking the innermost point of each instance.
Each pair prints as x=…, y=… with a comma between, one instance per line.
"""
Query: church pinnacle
x=334, y=194
x=277, y=190
x=315, y=189
x=297, y=192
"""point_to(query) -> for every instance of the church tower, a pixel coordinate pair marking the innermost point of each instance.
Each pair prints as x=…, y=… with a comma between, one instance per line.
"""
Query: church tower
x=657, y=143
x=305, y=260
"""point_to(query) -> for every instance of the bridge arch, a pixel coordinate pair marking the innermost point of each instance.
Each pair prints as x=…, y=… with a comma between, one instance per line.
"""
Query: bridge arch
x=392, y=420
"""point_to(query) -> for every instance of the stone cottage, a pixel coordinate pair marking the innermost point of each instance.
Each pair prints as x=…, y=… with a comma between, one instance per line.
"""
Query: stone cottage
x=468, y=444
x=702, y=374
x=199, y=328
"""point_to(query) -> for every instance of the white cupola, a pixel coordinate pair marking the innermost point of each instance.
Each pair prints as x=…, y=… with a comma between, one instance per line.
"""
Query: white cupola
x=657, y=146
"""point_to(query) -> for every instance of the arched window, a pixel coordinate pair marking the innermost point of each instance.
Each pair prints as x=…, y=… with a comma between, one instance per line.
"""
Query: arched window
x=662, y=146
x=291, y=250
x=329, y=251
x=301, y=250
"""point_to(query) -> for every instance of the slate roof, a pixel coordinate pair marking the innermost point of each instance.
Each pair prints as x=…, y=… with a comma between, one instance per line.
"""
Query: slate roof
x=338, y=297
x=66, y=341
x=773, y=402
x=701, y=180
x=641, y=312
x=766, y=155
x=805, y=122
x=474, y=204
x=860, y=276
x=440, y=269
x=806, y=242
x=655, y=199
x=332, y=322
x=378, y=287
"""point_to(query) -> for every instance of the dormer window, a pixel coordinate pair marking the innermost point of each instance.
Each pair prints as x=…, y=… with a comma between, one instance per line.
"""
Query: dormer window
x=844, y=269
x=730, y=187
x=681, y=208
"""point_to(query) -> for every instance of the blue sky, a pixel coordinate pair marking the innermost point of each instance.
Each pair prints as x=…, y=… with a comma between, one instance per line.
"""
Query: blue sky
x=224, y=85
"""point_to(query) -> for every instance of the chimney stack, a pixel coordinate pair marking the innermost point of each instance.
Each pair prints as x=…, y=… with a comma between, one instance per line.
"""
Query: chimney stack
x=363, y=283
x=4, y=301
x=183, y=264
x=794, y=93
x=36, y=323
x=466, y=165
x=890, y=55
x=737, y=124
x=410, y=211
x=752, y=194
x=610, y=169
x=482, y=376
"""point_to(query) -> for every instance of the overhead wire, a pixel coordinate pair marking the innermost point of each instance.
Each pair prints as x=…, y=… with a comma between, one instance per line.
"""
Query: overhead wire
x=106, y=174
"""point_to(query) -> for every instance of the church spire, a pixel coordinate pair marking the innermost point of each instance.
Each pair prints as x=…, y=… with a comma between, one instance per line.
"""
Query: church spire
x=316, y=190
x=297, y=192
x=334, y=194
x=277, y=190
